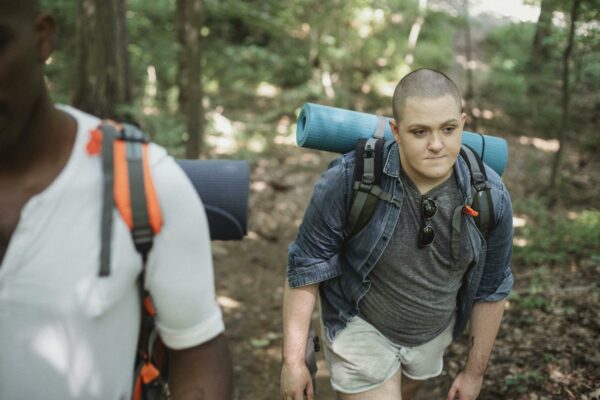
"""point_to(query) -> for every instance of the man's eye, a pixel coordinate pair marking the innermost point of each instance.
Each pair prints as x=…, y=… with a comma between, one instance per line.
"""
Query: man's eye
x=419, y=132
x=449, y=129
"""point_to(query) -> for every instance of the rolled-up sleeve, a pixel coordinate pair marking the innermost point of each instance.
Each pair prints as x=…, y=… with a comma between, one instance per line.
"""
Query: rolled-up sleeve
x=315, y=255
x=497, y=278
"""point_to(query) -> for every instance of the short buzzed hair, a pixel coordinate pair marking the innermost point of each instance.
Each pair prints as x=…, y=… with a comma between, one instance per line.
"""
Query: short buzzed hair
x=426, y=83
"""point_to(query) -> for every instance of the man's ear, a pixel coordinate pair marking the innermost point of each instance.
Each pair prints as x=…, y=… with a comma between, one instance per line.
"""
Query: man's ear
x=394, y=128
x=463, y=120
x=45, y=28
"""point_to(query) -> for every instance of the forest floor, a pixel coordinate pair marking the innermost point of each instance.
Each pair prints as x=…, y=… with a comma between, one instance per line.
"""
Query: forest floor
x=549, y=343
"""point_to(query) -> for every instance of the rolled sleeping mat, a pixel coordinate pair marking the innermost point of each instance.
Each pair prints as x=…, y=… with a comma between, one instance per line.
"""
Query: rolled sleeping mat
x=337, y=130
x=223, y=186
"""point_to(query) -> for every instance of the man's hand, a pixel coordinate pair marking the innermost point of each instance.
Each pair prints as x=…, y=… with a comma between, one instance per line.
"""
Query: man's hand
x=296, y=382
x=465, y=387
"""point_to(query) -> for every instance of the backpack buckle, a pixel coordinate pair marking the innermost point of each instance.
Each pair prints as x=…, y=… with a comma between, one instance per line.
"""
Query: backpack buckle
x=142, y=239
x=130, y=133
x=367, y=180
x=481, y=186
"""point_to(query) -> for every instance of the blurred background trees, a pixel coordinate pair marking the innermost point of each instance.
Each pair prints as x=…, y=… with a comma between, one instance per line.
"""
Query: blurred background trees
x=101, y=79
x=227, y=76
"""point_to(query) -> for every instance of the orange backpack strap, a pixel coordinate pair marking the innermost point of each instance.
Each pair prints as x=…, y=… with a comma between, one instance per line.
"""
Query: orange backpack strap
x=128, y=186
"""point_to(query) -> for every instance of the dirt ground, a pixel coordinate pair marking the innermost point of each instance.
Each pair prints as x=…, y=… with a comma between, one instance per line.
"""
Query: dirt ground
x=548, y=350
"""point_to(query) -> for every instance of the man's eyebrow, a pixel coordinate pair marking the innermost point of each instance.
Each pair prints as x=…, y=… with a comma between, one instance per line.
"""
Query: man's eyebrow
x=412, y=126
x=448, y=122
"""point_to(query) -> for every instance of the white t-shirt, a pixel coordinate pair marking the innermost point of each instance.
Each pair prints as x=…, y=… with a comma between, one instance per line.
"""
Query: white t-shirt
x=66, y=332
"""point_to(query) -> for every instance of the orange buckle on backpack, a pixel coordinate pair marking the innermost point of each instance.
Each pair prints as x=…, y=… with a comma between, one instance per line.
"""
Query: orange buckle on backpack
x=147, y=374
x=149, y=306
x=469, y=211
x=94, y=145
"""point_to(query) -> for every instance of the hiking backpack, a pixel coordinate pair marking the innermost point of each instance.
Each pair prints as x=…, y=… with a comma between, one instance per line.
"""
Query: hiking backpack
x=127, y=185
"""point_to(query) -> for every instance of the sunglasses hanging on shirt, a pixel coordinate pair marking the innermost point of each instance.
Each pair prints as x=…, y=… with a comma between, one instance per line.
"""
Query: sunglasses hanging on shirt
x=428, y=211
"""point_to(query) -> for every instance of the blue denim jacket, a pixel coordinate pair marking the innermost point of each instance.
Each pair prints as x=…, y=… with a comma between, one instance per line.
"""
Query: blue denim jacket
x=320, y=253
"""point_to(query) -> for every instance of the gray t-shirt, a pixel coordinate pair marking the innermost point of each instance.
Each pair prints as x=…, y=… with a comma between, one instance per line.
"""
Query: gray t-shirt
x=413, y=291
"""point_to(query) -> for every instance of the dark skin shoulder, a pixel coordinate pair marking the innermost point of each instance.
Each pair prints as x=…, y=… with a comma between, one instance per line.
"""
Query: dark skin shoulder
x=202, y=372
x=24, y=178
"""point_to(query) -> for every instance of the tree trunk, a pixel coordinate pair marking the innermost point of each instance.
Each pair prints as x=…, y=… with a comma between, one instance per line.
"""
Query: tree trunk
x=102, y=79
x=415, y=30
x=541, y=49
x=565, y=102
x=470, y=92
x=190, y=19
x=540, y=55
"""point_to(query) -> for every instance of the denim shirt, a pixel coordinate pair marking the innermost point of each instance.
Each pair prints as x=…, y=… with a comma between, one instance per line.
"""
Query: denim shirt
x=321, y=254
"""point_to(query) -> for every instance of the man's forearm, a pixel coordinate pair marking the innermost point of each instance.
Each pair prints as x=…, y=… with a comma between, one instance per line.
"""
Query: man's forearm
x=485, y=322
x=298, y=305
x=203, y=372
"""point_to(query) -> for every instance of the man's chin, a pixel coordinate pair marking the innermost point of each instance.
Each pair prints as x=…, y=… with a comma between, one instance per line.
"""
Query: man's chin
x=437, y=173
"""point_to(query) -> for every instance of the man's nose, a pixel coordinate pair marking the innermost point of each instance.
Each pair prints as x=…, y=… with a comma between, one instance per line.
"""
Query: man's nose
x=435, y=142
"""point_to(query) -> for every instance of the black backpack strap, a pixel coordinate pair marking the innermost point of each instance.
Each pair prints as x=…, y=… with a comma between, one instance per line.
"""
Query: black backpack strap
x=482, y=195
x=109, y=133
x=368, y=171
x=141, y=231
x=367, y=175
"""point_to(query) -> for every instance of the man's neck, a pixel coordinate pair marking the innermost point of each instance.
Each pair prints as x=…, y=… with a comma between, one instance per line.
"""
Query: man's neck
x=46, y=139
x=425, y=185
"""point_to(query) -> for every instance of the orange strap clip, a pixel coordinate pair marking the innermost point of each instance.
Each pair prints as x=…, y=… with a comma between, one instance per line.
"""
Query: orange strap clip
x=469, y=211
x=149, y=306
x=94, y=145
x=149, y=373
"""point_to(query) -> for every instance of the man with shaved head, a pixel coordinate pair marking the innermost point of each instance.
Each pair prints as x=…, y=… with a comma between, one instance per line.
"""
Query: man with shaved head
x=66, y=332
x=394, y=295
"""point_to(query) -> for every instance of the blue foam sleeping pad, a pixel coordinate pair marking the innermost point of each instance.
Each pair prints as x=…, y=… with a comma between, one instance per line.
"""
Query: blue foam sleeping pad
x=337, y=130
x=223, y=186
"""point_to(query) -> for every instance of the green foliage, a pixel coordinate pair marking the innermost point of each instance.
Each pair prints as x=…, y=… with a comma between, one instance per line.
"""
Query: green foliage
x=359, y=44
x=534, y=295
x=508, y=50
x=61, y=67
x=531, y=298
x=550, y=237
x=436, y=42
x=522, y=380
x=152, y=42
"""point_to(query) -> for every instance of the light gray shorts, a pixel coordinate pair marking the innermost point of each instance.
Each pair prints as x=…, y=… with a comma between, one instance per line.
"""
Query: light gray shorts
x=360, y=358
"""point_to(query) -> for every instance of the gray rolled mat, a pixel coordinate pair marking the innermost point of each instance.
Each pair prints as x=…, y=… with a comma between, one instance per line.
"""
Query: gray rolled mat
x=337, y=130
x=223, y=186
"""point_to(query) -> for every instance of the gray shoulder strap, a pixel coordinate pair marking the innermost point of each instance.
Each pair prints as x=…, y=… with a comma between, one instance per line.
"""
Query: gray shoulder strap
x=108, y=136
x=362, y=186
x=141, y=231
x=482, y=196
